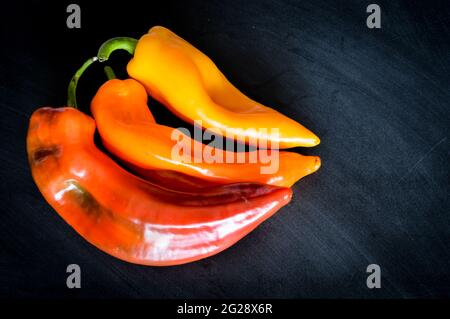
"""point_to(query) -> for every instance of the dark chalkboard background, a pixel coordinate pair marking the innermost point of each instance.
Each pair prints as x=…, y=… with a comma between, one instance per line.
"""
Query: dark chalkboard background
x=379, y=100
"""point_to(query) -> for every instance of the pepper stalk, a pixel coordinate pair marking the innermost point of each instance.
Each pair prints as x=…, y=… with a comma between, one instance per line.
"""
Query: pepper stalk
x=103, y=54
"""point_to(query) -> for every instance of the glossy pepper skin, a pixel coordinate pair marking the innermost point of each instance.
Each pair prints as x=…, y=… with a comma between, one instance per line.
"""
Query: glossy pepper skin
x=186, y=81
x=129, y=131
x=172, y=179
x=127, y=217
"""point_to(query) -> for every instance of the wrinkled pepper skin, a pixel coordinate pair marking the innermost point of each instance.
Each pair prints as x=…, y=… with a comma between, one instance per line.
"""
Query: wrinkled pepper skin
x=186, y=81
x=127, y=217
x=129, y=131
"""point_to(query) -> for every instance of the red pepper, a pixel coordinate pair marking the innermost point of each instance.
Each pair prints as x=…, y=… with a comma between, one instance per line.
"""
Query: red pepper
x=128, y=217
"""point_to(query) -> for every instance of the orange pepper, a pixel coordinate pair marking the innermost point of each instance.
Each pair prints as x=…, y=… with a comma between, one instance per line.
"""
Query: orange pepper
x=186, y=81
x=128, y=130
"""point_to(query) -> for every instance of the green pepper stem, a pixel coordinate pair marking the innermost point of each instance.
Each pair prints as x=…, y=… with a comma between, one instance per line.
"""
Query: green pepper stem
x=109, y=73
x=120, y=43
x=108, y=47
x=71, y=92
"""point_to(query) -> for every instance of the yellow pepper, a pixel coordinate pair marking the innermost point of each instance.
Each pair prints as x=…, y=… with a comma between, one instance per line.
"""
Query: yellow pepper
x=186, y=81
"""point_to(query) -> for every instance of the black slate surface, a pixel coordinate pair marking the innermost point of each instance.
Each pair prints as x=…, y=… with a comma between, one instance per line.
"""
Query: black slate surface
x=379, y=100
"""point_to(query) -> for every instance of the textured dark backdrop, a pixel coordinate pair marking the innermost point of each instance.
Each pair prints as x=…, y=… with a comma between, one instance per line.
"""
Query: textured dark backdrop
x=379, y=100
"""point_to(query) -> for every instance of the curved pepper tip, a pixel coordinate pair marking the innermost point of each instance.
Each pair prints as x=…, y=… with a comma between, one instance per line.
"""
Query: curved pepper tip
x=309, y=141
x=316, y=141
x=317, y=163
